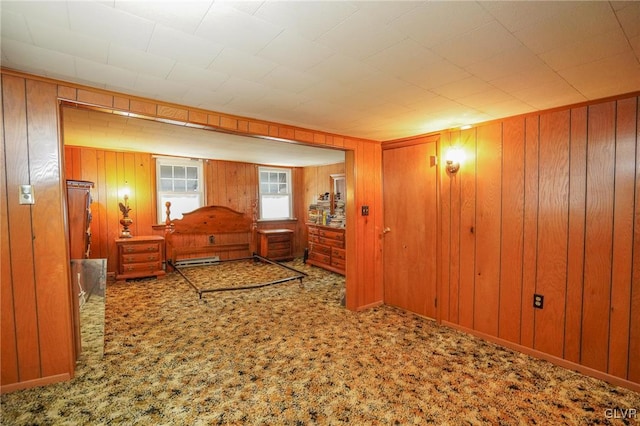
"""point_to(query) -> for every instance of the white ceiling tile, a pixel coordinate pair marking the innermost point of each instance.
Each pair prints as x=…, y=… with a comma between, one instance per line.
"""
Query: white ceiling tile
x=510, y=107
x=108, y=75
x=342, y=68
x=628, y=14
x=489, y=96
x=242, y=65
x=586, y=50
x=117, y=26
x=434, y=22
x=556, y=92
x=14, y=27
x=403, y=58
x=289, y=80
x=171, y=91
x=380, y=10
x=517, y=15
x=183, y=47
x=479, y=44
x=46, y=62
x=206, y=99
x=65, y=41
x=360, y=36
x=635, y=44
x=185, y=15
x=525, y=79
x=509, y=62
x=309, y=19
x=139, y=61
x=226, y=25
x=437, y=74
x=294, y=51
x=612, y=75
x=206, y=79
x=582, y=20
x=462, y=88
x=52, y=12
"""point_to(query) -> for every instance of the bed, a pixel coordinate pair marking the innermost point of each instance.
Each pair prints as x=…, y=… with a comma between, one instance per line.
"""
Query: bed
x=213, y=248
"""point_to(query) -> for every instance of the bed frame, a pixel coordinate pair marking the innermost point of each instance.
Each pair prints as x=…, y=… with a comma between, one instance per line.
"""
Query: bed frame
x=208, y=232
x=214, y=234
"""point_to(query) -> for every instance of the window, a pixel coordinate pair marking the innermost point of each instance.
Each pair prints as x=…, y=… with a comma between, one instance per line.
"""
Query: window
x=275, y=193
x=180, y=182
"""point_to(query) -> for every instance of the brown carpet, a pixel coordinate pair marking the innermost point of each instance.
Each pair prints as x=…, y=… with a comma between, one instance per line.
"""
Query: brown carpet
x=294, y=356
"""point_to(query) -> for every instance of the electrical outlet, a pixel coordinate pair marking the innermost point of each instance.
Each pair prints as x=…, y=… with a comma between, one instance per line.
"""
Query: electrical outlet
x=365, y=210
x=538, y=301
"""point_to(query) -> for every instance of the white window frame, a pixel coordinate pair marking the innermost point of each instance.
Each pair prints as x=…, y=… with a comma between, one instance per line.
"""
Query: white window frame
x=265, y=195
x=193, y=198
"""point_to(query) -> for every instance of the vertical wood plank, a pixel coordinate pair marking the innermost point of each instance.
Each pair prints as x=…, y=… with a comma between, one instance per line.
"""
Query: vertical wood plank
x=456, y=197
x=145, y=193
x=553, y=210
x=512, y=230
x=622, y=236
x=8, y=349
x=598, y=236
x=444, y=292
x=99, y=213
x=20, y=220
x=52, y=271
x=530, y=230
x=111, y=201
x=634, y=322
x=467, y=176
x=488, y=237
x=575, y=253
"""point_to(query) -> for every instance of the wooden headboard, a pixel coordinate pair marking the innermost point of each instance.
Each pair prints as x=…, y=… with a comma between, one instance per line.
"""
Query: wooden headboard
x=210, y=231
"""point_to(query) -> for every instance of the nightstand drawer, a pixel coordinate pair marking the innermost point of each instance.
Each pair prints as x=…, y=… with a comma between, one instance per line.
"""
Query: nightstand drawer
x=140, y=248
x=140, y=257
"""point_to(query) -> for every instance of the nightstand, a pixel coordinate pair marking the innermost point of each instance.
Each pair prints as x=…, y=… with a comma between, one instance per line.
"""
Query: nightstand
x=140, y=257
x=275, y=244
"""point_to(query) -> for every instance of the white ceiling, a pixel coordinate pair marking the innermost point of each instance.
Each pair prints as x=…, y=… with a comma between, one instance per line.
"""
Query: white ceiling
x=89, y=128
x=373, y=69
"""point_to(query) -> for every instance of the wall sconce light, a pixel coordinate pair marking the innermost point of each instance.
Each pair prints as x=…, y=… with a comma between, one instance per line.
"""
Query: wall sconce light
x=453, y=159
x=126, y=221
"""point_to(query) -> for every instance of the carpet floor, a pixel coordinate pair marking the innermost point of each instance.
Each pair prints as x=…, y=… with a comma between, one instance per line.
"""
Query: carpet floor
x=292, y=355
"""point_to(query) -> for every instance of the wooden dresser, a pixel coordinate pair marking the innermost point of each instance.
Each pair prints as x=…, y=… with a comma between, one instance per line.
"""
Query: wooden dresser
x=140, y=257
x=326, y=248
x=275, y=244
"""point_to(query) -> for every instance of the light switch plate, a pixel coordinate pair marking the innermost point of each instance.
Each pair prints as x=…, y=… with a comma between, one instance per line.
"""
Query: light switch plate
x=26, y=195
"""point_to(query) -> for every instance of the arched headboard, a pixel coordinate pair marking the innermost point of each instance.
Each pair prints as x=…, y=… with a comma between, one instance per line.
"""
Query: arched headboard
x=210, y=231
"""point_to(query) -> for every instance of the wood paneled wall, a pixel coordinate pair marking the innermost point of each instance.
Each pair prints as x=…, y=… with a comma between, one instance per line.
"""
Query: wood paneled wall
x=227, y=183
x=36, y=327
x=548, y=204
x=37, y=340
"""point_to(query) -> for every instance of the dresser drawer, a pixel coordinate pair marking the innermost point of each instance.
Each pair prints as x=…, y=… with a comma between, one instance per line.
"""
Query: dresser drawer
x=128, y=268
x=319, y=248
x=140, y=257
x=275, y=238
x=338, y=263
x=337, y=253
x=324, y=258
x=140, y=248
